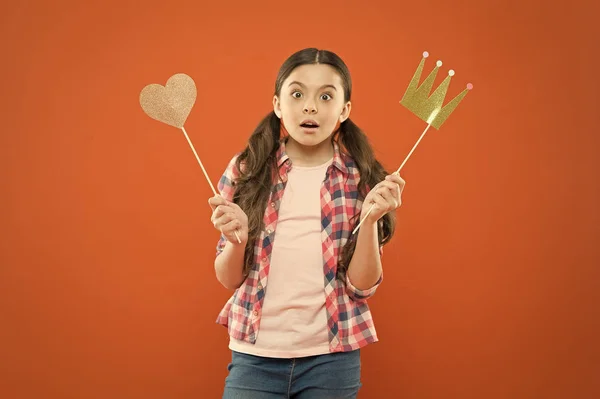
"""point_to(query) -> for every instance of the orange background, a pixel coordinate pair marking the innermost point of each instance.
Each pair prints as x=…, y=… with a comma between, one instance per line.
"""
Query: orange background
x=107, y=287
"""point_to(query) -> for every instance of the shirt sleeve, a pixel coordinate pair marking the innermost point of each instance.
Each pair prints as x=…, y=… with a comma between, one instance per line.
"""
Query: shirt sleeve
x=361, y=295
x=226, y=188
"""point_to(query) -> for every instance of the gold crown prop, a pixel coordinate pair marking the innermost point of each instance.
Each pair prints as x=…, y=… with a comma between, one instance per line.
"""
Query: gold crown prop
x=427, y=107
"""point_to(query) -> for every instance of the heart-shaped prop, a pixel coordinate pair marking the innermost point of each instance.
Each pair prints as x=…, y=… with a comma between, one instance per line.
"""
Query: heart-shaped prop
x=172, y=103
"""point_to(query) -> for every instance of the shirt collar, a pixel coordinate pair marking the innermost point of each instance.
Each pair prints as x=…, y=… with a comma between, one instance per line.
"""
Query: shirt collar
x=340, y=159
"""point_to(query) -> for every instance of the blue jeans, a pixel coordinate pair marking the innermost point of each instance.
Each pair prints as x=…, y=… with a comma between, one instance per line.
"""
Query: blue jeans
x=329, y=376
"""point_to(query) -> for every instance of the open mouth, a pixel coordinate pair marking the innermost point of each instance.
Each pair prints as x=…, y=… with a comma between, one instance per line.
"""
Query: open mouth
x=309, y=124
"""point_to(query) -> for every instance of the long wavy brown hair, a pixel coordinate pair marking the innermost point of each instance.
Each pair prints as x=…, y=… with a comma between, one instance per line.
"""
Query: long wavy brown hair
x=259, y=161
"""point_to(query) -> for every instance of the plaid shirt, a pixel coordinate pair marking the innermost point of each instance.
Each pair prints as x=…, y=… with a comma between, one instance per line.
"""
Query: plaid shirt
x=348, y=316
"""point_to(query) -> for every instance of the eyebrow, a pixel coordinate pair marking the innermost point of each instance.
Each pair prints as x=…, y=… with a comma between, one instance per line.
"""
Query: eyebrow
x=302, y=85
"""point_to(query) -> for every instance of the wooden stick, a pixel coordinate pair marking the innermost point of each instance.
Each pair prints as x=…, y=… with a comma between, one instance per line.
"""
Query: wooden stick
x=397, y=172
x=205, y=174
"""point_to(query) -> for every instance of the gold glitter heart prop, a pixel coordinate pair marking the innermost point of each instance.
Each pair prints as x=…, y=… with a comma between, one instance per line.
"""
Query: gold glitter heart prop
x=172, y=104
x=429, y=108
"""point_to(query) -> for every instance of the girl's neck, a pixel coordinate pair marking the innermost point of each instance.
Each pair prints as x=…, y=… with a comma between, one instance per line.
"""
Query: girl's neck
x=308, y=156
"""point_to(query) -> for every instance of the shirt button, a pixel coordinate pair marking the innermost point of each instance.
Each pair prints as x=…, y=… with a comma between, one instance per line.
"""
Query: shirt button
x=269, y=231
x=255, y=313
x=272, y=204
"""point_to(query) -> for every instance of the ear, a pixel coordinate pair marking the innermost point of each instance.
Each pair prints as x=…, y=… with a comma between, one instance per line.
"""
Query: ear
x=346, y=112
x=277, y=106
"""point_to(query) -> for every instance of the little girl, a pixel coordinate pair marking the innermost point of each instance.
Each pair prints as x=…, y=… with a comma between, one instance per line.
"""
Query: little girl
x=299, y=313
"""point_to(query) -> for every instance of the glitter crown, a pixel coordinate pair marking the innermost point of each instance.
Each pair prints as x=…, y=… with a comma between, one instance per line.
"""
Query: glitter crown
x=429, y=108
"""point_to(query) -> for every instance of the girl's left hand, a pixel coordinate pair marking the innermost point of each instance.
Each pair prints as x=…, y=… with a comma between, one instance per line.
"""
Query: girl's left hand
x=385, y=195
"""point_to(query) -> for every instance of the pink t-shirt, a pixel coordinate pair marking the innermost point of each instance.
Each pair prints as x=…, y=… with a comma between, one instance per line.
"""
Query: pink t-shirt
x=294, y=321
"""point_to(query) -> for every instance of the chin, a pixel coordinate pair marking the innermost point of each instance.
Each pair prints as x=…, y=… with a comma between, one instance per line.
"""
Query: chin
x=309, y=141
x=309, y=138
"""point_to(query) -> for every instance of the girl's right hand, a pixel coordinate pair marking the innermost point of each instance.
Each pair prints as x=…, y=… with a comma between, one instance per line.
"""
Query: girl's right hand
x=229, y=218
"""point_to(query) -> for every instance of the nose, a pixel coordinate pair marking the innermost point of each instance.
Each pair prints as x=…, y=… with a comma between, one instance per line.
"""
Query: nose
x=310, y=108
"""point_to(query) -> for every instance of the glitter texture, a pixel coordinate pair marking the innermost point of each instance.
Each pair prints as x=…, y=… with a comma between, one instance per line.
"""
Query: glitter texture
x=429, y=108
x=172, y=103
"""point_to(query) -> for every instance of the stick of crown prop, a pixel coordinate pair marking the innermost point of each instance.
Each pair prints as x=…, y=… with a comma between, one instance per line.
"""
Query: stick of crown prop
x=171, y=104
x=429, y=109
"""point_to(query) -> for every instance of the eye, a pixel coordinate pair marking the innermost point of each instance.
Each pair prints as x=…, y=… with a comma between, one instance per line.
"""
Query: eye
x=326, y=97
x=296, y=94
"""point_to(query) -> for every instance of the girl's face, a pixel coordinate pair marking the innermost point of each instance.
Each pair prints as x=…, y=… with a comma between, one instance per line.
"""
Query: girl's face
x=311, y=103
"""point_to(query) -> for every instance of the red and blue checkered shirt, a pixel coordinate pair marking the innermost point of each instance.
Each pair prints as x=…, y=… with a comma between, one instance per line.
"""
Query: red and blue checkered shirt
x=349, y=319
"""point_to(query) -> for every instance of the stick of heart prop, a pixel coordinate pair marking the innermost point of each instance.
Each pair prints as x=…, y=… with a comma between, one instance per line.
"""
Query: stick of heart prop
x=171, y=104
x=428, y=108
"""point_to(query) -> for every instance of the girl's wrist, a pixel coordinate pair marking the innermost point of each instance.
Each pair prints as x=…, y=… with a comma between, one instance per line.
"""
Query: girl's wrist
x=369, y=221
